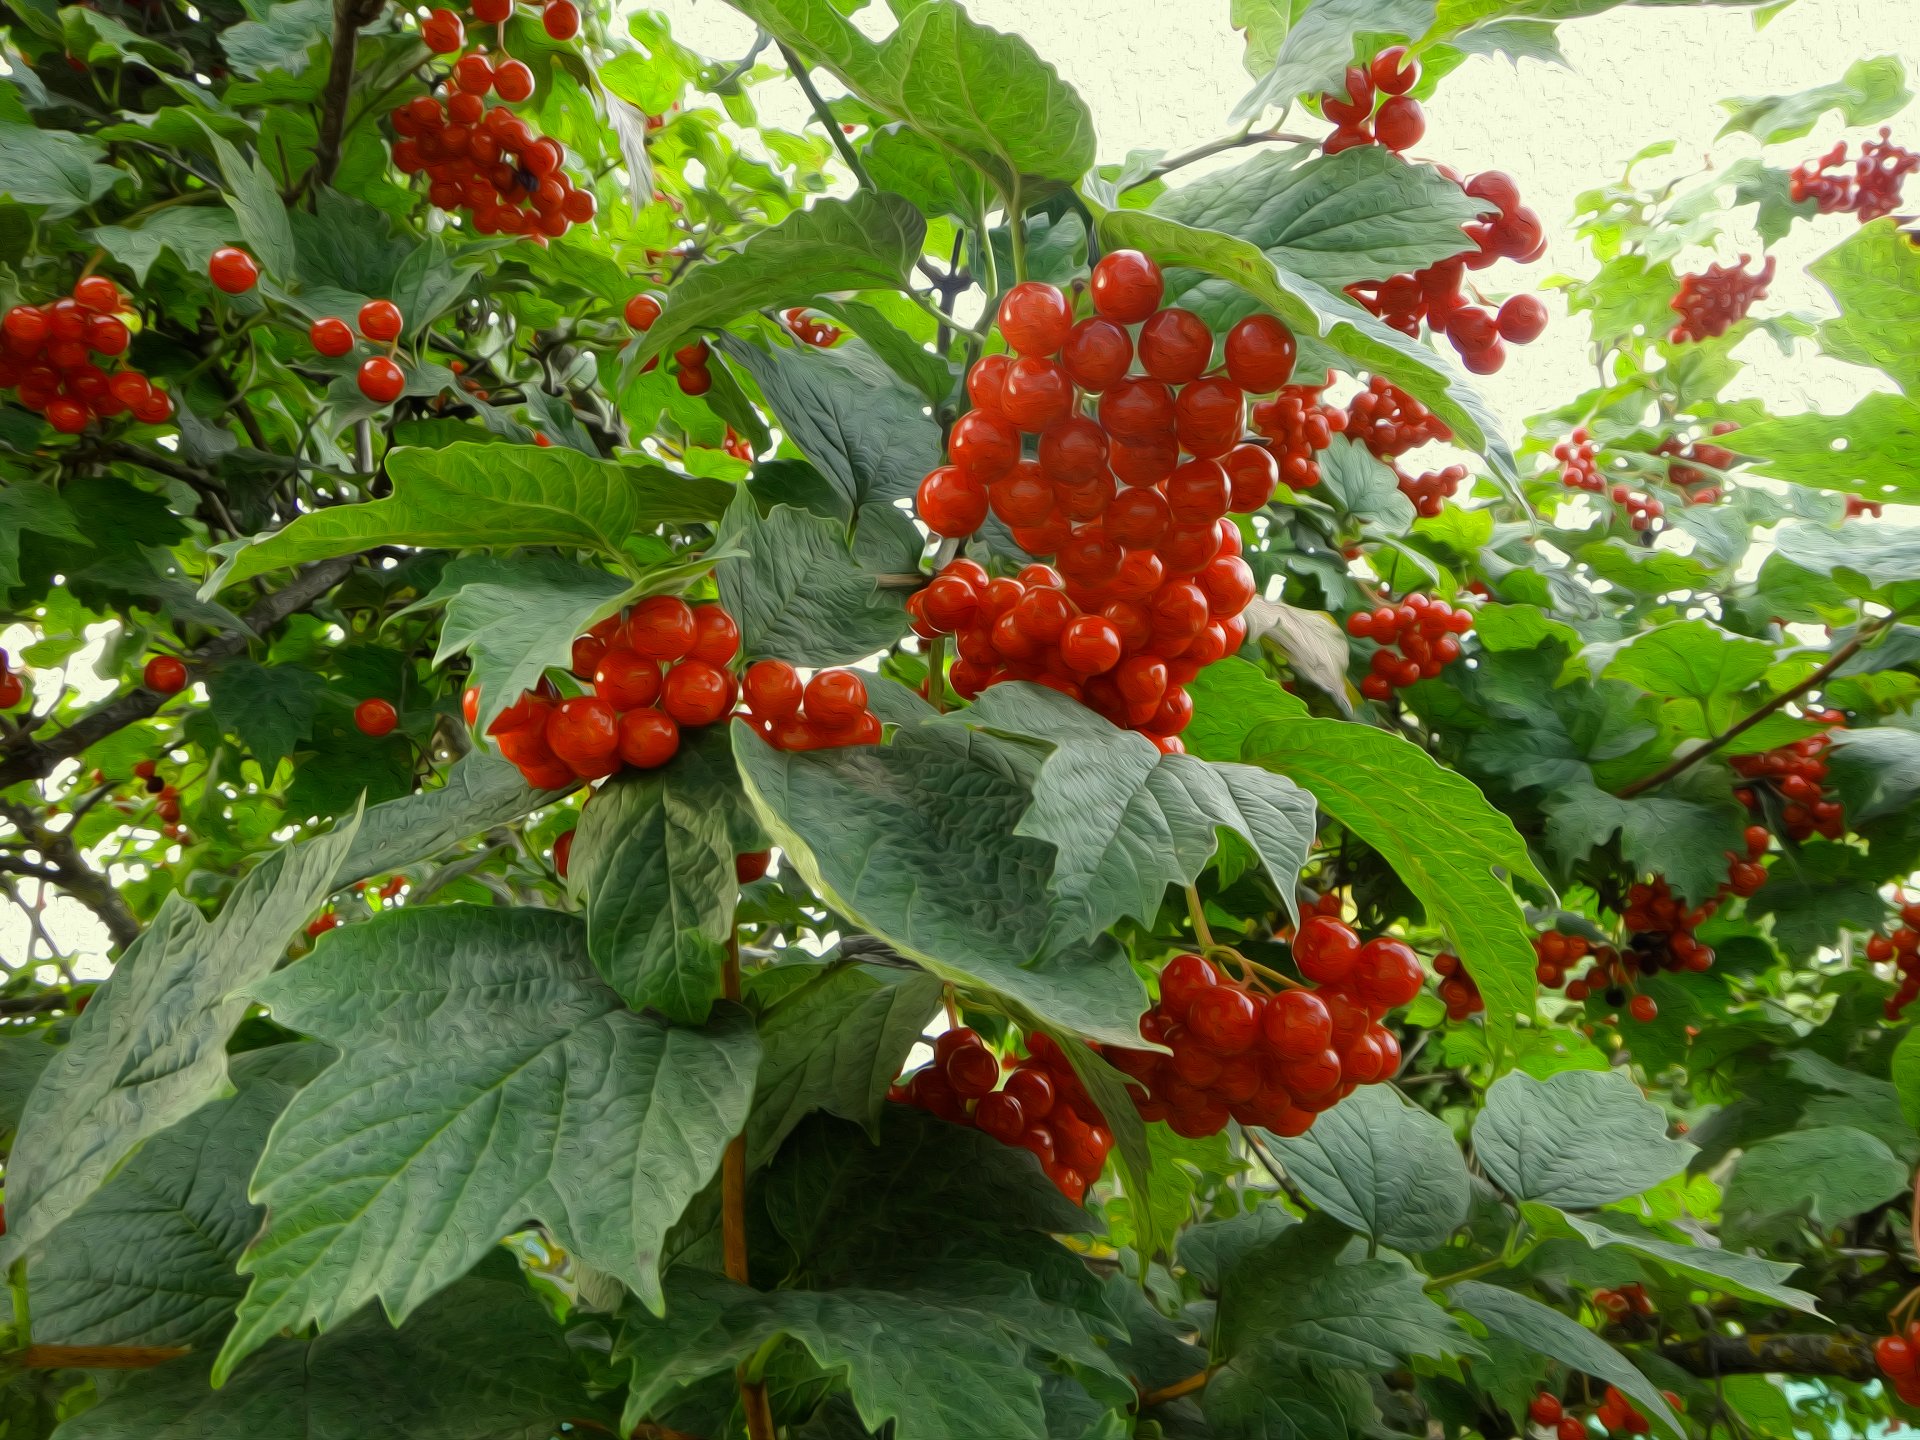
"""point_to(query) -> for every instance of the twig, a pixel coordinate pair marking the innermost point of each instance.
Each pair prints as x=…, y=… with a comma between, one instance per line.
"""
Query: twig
x=1740, y=727
x=1843, y=1353
x=1221, y=145
x=94, y=1357
x=348, y=17
x=1201, y=930
x=760, y=42
x=63, y=867
x=733, y=1221
x=834, y=132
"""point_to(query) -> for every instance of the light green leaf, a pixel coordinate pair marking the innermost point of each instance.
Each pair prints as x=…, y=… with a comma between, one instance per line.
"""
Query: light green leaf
x=836, y=1044
x=56, y=168
x=1906, y=1075
x=1579, y=1139
x=1872, y=562
x=441, y=1378
x=1127, y=821
x=796, y=591
x=151, y=1047
x=1830, y=1174
x=653, y=858
x=915, y=841
x=1543, y=1329
x=1319, y=47
x=496, y=496
x=1694, y=661
x=1871, y=91
x=1359, y=214
x=1363, y=487
x=1872, y=450
x=191, y=232
x=1383, y=1167
x=149, y=1259
x=1874, y=277
x=480, y=792
x=866, y=242
x=563, y=1107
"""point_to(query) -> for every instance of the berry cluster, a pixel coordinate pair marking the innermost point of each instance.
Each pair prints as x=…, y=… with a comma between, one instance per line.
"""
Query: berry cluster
x=1871, y=191
x=1615, y=1414
x=1146, y=564
x=1430, y=491
x=1856, y=507
x=166, y=799
x=1397, y=125
x=1416, y=640
x=659, y=666
x=1712, y=303
x=1458, y=992
x=1479, y=335
x=1629, y=1299
x=47, y=357
x=1042, y=1107
x=1898, y=1357
x=1686, y=456
x=1555, y=953
x=1902, y=947
x=1642, y=510
x=809, y=330
x=1390, y=422
x=1277, y=1059
x=1575, y=454
x=380, y=322
x=1797, y=772
x=827, y=712
x=1297, y=425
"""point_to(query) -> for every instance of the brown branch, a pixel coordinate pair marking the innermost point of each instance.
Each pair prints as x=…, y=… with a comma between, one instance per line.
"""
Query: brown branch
x=1842, y=1353
x=94, y=1357
x=61, y=865
x=733, y=1222
x=36, y=759
x=1178, y=1389
x=1740, y=727
x=348, y=17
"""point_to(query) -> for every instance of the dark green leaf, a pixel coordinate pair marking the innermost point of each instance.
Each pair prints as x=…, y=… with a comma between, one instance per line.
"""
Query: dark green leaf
x=1730, y=1271
x=796, y=591
x=270, y=707
x=481, y=791
x=1579, y=1139
x=1830, y=1174
x=56, y=168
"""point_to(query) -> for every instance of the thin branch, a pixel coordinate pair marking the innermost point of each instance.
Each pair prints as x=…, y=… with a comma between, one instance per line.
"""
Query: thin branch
x=1220, y=146
x=760, y=42
x=37, y=759
x=834, y=132
x=65, y=868
x=1740, y=727
x=348, y=17
x=1842, y=1353
x=733, y=1222
x=94, y=1357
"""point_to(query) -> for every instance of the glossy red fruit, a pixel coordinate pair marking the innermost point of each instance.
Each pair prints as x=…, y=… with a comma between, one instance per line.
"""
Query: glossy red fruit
x=626, y=680
x=983, y=445
x=1073, y=452
x=233, y=270
x=1183, y=980
x=375, y=717
x=98, y=294
x=69, y=417
x=648, y=738
x=716, y=636
x=972, y=1071
x=561, y=18
x=512, y=81
x=443, y=32
x=696, y=693
x=1260, y=354
x=1035, y=318
x=641, y=311
x=584, y=732
x=1522, y=318
x=1137, y=517
x=381, y=320
x=1126, y=287
x=12, y=691
x=492, y=12
x=1137, y=409
x=1198, y=492
x=1325, y=950
x=1570, y=1428
x=1090, y=645
x=1175, y=345
x=1002, y=1116
x=1400, y=123
x=662, y=627
x=773, y=689
x=380, y=380
x=1387, y=974
x=1253, y=475
x=164, y=675
x=1296, y=1025
x=1224, y=1019
x=835, y=699
x=1096, y=354
x=951, y=502
x=750, y=865
x=1545, y=1409
x=1643, y=1008
x=1896, y=1357
x=330, y=336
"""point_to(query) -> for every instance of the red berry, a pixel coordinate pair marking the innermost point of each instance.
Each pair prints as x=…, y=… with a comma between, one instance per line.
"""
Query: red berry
x=625, y=680
x=971, y=1070
x=380, y=320
x=1570, y=1428
x=1325, y=950
x=12, y=691
x=512, y=81
x=330, y=336
x=1090, y=645
x=1126, y=286
x=1224, y=1019
x=492, y=12
x=648, y=738
x=1523, y=318
x=1895, y=1357
x=642, y=311
x=750, y=865
x=1643, y=1008
x=1002, y=1116
x=951, y=502
x=835, y=699
x=233, y=270
x=97, y=293
x=1545, y=1409
x=562, y=853
x=164, y=675
x=716, y=636
x=662, y=628
x=1400, y=123
x=1296, y=1025
x=1394, y=74
x=774, y=690
x=1096, y=354
x=1260, y=354
x=696, y=693
x=380, y=380
x=584, y=731
x=1387, y=974
x=1137, y=409
x=1184, y=979
x=443, y=32
x=983, y=445
x=69, y=417
x=1035, y=318
x=561, y=19
x=375, y=717
x=1175, y=346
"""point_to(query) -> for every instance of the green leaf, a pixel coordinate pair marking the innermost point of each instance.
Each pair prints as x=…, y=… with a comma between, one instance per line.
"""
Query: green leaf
x=836, y=1044
x=440, y=1378
x=481, y=792
x=1315, y=313
x=796, y=591
x=1432, y=826
x=937, y=181
x=270, y=707
x=1295, y=1296
x=1363, y=487
x=653, y=858
x=866, y=242
x=149, y=1259
x=1874, y=277
x=985, y=96
x=38, y=508
x=440, y=1080
x=1230, y=699
x=495, y=496
x=850, y=415
x=1749, y=1276
x=1684, y=839
x=1871, y=91
x=258, y=209
x=1696, y=661
x=283, y=40
x=937, y=1371
x=518, y=615
x=1320, y=45
x=1126, y=821
x=151, y=1047
x=1872, y=562
x=191, y=232
x=1579, y=1139
x=906, y=357
x=1359, y=214
x=1905, y=1065
x=1873, y=450
x=59, y=169
x=1830, y=1174
x=1313, y=642
x=1541, y=1328
x=915, y=841
x=1383, y=1167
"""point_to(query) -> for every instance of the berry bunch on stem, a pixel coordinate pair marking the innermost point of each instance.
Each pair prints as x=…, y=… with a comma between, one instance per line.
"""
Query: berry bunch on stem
x=1397, y=124
x=1871, y=191
x=1796, y=773
x=1713, y=302
x=50, y=358
x=1297, y=425
x=1414, y=640
x=827, y=712
x=1900, y=947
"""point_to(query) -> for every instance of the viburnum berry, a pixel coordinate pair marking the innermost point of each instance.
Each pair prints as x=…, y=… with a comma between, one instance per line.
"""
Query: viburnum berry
x=381, y=380
x=330, y=336
x=774, y=690
x=1035, y=318
x=584, y=731
x=1545, y=1409
x=12, y=691
x=716, y=635
x=233, y=270
x=443, y=32
x=1175, y=345
x=98, y=293
x=164, y=675
x=662, y=628
x=560, y=19
x=380, y=320
x=1095, y=354
x=641, y=311
x=951, y=502
x=1260, y=354
x=1126, y=286
x=750, y=865
x=647, y=738
x=695, y=693
x=835, y=698
x=375, y=717
x=1400, y=123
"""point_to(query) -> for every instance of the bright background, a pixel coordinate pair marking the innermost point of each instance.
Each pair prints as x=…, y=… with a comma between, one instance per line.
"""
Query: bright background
x=1166, y=76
